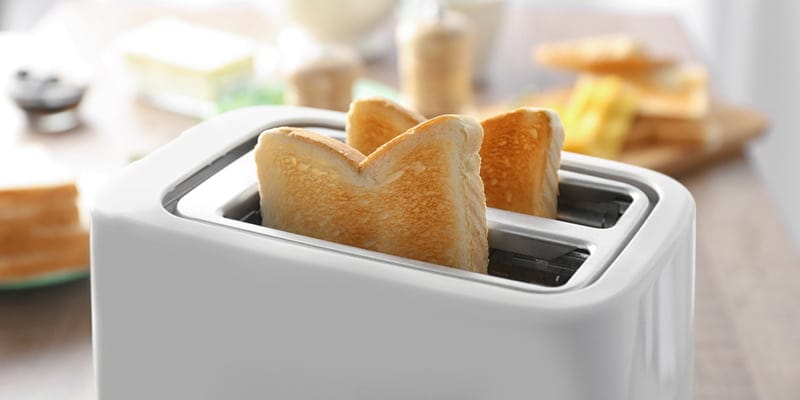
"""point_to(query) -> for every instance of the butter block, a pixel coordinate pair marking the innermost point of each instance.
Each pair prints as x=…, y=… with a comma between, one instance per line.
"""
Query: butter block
x=185, y=67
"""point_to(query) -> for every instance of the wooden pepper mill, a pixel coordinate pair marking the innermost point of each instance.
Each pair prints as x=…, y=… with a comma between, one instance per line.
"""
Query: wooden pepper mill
x=434, y=57
x=323, y=79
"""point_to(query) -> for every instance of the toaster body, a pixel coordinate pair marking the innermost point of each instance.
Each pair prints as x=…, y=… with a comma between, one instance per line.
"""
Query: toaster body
x=194, y=299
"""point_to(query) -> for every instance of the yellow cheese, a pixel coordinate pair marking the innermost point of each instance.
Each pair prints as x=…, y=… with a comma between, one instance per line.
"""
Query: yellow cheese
x=598, y=116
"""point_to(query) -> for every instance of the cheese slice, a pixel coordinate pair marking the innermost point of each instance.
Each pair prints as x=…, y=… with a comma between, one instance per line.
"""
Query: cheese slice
x=598, y=116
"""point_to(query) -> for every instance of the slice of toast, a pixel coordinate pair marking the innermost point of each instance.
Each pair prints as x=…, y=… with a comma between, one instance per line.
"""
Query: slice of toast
x=373, y=121
x=521, y=154
x=23, y=266
x=418, y=196
x=599, y=54
x=697, y=133
x=679, y=91
x=58, y=213
x=38, y=239
x=33, y=177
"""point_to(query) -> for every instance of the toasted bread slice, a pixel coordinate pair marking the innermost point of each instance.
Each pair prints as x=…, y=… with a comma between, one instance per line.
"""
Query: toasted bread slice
x=42, y=239
x=61, y=192
x=521, y=154
x=698, y=133
x=374, y=121
x=600, y=54
x=50, y=261
x=419, y=196
x=672, y=92
x=30, y=176
x=36, y=192
x=39, y=214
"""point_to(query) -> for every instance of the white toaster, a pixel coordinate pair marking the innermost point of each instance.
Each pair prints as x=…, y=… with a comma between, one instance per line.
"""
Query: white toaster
x=194, y=299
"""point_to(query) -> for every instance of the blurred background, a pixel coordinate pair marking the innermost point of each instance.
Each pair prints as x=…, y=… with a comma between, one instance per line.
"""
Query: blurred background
x=90, y=85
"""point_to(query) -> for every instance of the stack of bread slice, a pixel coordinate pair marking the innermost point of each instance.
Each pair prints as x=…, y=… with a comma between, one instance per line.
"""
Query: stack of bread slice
x=41, y=231
x=671, y=99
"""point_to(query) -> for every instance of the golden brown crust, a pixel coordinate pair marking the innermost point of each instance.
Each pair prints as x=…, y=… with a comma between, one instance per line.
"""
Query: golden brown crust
x=418, y=196
x=520, y=157
x=322, y=143
x=373, y=121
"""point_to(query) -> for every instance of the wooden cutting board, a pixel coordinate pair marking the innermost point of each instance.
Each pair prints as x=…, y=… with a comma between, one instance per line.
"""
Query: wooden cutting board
x=736, y=125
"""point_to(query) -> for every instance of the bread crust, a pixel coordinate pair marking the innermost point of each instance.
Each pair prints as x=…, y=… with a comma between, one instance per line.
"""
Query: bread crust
x=418, y=196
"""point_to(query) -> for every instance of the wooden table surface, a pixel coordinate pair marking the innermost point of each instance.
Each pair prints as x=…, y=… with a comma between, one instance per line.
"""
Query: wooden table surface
x=747, y=321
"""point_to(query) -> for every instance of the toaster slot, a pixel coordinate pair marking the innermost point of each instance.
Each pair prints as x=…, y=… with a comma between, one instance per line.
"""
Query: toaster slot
x=588, y=205
x=511, y=255
x=577, y=205
x=247, y=209
x=532, y=260
x=530, y=269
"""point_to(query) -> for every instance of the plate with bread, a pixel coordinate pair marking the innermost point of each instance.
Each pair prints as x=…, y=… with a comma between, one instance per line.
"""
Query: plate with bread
x=631, y=104
x=44, y=235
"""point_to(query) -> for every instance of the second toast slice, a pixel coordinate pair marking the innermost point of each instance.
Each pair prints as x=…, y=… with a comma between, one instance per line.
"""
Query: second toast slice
x=373, y=121
x=521, y=155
